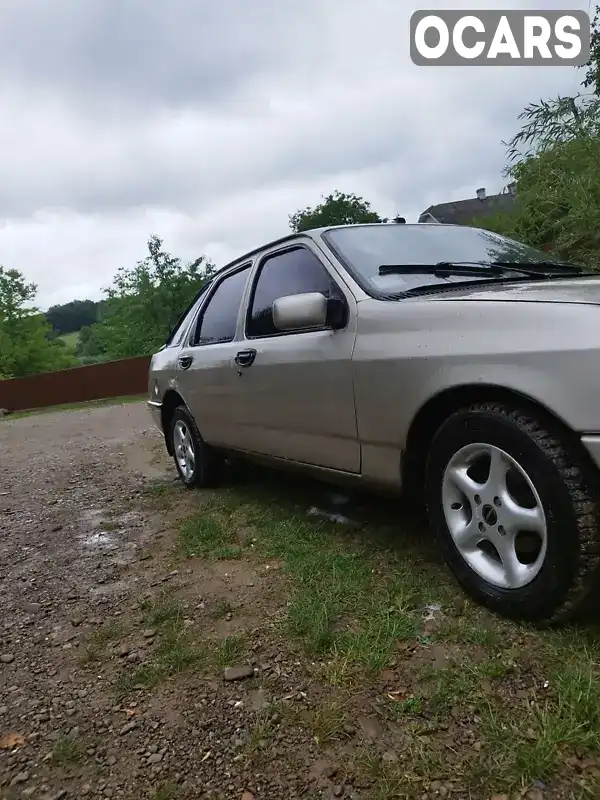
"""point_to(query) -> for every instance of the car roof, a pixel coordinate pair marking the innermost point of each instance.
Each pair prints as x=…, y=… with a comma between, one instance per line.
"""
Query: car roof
x=316, y=233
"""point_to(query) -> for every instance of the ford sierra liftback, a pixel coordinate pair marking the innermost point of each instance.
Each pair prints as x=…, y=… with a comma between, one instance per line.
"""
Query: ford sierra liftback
x=449, y=361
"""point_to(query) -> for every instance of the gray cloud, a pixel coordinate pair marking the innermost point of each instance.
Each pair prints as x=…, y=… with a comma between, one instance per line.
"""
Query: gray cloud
x=209, y=122
x=178, y=53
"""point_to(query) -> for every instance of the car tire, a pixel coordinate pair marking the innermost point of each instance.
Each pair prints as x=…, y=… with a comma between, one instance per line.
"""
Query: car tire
x=197, y=464
x=521, y=483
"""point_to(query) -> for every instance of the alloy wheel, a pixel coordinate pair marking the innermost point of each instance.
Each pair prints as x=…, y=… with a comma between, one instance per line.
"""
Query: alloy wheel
x=494, y=515
x=183, y=446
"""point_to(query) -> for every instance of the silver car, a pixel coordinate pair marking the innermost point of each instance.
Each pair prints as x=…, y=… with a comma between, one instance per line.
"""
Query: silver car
x=453, y=363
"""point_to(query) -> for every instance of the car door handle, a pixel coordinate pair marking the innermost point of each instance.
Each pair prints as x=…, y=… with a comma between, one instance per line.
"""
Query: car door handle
x=245, y=357
x=185, y=362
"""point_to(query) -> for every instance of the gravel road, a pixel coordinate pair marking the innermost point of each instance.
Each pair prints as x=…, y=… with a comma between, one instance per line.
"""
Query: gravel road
x=84, y=543
x=64, y=569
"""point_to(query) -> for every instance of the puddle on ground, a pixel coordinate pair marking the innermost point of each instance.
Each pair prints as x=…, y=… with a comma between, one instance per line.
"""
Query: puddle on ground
x=114, y=535
x=97, y=538
x=94, y=517
x=100, y=540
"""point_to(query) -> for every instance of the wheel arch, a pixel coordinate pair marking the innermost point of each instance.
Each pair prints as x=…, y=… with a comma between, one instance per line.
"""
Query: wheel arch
x=171, y=401
x=432, y=414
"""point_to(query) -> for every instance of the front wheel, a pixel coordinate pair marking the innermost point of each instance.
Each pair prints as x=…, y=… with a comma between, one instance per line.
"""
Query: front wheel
x=511, y=500
x=197, y=464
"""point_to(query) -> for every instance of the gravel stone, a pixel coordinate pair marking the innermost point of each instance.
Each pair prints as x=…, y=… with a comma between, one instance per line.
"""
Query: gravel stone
x=130, y=726
x=20, y=777
x=238, y=673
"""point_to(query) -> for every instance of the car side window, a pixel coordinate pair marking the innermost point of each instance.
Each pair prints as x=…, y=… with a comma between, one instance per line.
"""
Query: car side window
x=294, y=271
x=218, y=321
x=179, y=331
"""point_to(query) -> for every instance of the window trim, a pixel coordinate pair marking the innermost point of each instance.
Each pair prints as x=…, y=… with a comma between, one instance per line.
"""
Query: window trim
x=257, y=273
x=247, y=266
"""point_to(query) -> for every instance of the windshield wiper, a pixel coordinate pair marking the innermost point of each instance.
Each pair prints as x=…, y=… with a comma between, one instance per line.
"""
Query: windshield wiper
x=557, y=267
x=468, y=269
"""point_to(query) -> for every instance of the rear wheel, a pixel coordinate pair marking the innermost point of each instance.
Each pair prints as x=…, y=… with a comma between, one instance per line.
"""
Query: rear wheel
x=512, y=501
x=198, y=464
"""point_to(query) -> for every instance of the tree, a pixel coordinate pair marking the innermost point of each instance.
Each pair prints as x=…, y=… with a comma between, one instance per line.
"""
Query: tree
x=558, y=201
x=562, y=119
x=143, y=304
x=592, y=75
x=337, y=208
x=554, y=160
x=91, y=347
x=26, y=347
x=73, y=316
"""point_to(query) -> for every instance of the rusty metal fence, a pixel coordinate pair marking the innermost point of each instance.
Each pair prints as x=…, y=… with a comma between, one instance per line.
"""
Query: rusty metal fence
x=127, y=376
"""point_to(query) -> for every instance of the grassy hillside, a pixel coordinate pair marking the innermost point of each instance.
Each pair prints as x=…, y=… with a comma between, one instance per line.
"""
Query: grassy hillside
x=71, y=339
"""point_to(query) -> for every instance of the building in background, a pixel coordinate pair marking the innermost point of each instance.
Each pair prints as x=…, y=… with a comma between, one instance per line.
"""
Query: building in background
x=463, y=212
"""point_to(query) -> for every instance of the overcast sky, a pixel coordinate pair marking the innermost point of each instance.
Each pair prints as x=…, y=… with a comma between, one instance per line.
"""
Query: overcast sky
x=208, y=123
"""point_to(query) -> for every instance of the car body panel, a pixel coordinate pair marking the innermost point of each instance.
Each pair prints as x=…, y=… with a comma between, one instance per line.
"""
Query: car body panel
x=582, y=290
x=296, y=401
x=343, y=401
x=208, y=386
x=409, y=352
x=592, y=445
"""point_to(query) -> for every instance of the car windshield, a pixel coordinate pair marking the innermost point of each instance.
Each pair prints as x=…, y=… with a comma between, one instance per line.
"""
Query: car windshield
x=365, y=249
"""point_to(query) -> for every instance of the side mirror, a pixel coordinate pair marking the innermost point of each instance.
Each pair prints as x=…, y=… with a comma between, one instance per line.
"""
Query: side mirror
x=310, y=310
x=298, y=311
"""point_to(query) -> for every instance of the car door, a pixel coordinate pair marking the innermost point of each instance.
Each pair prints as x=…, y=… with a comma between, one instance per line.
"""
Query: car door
x=295, y=396
x=205, y=376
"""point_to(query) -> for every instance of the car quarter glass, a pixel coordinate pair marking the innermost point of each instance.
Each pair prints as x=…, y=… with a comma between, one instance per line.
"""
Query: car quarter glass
x=217, y=322
x=184, y=322
x=294, y=271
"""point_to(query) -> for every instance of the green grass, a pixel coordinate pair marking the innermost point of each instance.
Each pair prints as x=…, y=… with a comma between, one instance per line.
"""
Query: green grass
x=207, y=537
x=339, y=606
x=66, y=751
x=533, y=744
x=178, y=648
x=71, y=339
x=96, y=646
x=355, y=606
x=327, y=722
x=229, y=651
x=108, y=401
x=166, y=791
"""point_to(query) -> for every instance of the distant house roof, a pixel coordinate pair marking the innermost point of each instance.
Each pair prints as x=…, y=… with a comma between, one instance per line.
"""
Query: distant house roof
x=462, y=212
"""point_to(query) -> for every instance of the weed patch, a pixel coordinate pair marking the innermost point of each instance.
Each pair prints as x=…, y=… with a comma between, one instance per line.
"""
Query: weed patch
x=67, y=750
x=96, y=646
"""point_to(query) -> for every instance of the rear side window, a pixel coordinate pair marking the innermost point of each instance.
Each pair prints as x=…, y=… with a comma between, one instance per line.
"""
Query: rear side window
x=291, y=272
x=218, y=321
x=183, y=324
